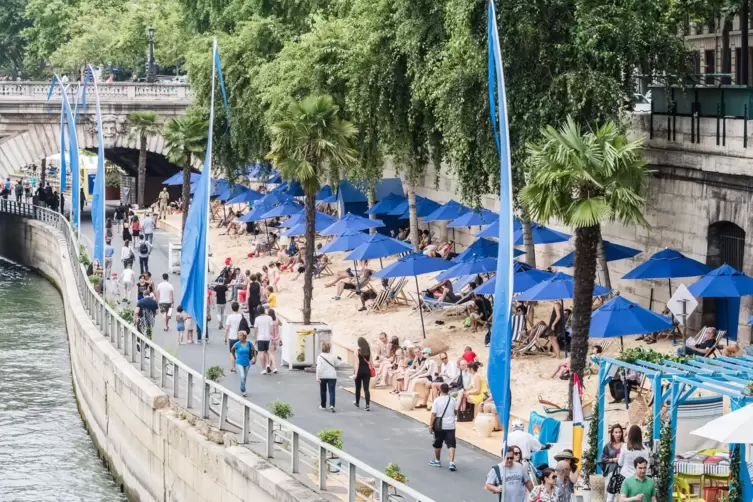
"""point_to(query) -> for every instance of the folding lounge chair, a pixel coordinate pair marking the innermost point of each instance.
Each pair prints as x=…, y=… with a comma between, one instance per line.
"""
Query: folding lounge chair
x=531, y=347
x=518, y=327
x=604, y=344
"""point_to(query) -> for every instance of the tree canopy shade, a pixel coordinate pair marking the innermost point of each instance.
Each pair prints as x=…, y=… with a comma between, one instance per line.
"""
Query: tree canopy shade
x=583, y=179
x=311, y=137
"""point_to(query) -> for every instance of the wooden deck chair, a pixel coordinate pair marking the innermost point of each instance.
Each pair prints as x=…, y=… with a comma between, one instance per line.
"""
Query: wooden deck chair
x=605, y=344
x=530, y=346
x=711, y=351
x=379, y=302
x=398, y=295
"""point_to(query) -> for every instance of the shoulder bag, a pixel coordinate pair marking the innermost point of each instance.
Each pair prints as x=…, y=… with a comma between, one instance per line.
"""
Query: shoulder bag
x=437, y=426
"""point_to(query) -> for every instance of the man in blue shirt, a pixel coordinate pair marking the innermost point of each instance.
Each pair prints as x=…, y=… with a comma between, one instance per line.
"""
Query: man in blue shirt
x=109, y=252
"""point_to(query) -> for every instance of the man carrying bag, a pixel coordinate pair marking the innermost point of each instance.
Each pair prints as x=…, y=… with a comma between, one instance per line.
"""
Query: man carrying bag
x=442, y=425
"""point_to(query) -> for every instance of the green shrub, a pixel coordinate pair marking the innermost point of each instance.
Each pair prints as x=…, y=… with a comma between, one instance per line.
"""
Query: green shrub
x=83, y=256
x=644, y=354
x=215, y=374
x=393, y=471
x=280, y=409
x=127, y=315
x=95, y=280
x=332, y=437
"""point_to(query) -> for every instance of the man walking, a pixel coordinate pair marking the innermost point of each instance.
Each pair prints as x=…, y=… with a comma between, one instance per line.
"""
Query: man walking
x=148, y=227
x=164, y=200
x=442, y=425
x=109, y=252
x=509, y=477
x=232, y=326
x=638, y=488
x=165, y=298
x=144, y=249
x=221, y=291
x=262, y=335
x=19, y=189
x=145, y=312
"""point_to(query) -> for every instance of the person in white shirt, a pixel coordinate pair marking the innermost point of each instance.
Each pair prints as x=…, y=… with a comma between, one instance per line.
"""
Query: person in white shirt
x=448, y=373
x=443, y=411
x=632, y=449
x=127, y=255
x=526, y=441
x=126, y=280
x=326, y=375
x=262, y=335
x=232, y=323
x=165, y=298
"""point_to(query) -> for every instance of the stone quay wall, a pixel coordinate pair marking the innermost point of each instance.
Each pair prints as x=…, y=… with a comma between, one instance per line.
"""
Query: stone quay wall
x=153, y=453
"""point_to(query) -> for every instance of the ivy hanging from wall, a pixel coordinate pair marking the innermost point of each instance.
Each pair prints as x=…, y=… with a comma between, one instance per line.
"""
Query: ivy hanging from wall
x=735, y=490
x=589, y=459
x=663, y=463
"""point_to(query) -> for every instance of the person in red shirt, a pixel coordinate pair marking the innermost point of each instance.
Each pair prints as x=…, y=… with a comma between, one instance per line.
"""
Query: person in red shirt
x=469, y=355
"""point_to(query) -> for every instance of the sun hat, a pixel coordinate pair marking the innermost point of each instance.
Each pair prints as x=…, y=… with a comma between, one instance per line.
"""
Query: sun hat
x=565, y=454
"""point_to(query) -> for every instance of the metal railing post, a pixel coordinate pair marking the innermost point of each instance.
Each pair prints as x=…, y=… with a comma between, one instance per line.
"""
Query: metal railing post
x=246, y=428
x=322, y=468
x=223, y=411
x=295, y=454
x=189, y=391
x=270, y=438
x=205, y=400
x=152, y=364
x=176, y=381
x=163, y=372
x=384, y=492
x=352, y=482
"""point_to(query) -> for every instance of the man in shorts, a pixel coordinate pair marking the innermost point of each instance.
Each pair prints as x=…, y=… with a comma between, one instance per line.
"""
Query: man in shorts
x=232, y=326
x=443, y=408
x=262, y=335
x=165, y=298
x=145, y=311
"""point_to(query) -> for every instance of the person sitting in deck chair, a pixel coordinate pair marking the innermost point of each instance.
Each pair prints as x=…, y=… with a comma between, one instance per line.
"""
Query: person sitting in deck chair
x=351, y=285
x=348, y=273
x=702, y=348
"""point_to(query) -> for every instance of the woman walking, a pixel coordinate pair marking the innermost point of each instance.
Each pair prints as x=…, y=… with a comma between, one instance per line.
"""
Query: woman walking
x=326, y=375
x=609, y=456
x=127, y=255
x=135, y=227
x=127, y=232
x=274, y=340
x=362, y=373
x=547, y=491
x=626, y=459
x=242, y=354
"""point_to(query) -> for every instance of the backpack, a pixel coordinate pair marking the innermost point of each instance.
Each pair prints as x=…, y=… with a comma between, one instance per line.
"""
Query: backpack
x=243, y=325
x=143, y=248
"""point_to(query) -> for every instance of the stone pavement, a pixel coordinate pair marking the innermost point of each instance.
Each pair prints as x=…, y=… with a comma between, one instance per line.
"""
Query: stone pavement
x=377, y=437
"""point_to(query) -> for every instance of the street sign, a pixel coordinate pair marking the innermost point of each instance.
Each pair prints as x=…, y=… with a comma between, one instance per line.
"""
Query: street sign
x=682, y=303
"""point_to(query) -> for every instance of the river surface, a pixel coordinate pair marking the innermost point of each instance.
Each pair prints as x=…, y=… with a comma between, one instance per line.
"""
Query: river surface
x=45, y=452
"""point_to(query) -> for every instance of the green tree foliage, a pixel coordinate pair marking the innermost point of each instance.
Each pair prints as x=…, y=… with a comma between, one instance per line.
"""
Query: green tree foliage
x=143, y=125
x=12, y=22
x=311, y=137
x=186, y=139
x=583, y=179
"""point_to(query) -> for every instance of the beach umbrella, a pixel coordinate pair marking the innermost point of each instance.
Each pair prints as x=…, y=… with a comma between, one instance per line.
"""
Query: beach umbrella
x=621, y=317
x=346, y=241
x=613, y=252
x=401, y=208
x=273, y=198
x=257, y=212
x=351, y=222
x=413, y=265
x=733, y=428
x=540, y=235
x=389, y=203
x=448, y=211
x=320, y=223
x=423, y=208
x=324, y=193
x=472, y=266
x=218, y=186
x=274, y=178
x=231, y=191
x=295, y=189
x=723, y=282
x=378, y=246
x=558, y=287
x=475, y=218
x=287, y=208
x=522, y=280
x=332, y=199
x=177, y=179
x=483, y=247
x=245, y=197
x=300, y=217
x=668, y=264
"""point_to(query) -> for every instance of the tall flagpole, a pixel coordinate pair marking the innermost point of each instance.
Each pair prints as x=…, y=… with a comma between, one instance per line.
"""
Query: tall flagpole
x=207, y=165
x=76, y=171
x=100, y=183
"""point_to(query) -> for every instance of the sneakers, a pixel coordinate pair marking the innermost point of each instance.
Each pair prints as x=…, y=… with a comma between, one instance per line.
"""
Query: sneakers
x=452, y=467
x=435, y=463
x=367, y=407
x=322, y=407
x=332, y=409
x=355, y=404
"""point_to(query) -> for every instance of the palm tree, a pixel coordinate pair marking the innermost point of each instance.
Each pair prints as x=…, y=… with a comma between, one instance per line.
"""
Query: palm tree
x=584, y=179
x=185, y=137
x=143, y=125
x=310, y=138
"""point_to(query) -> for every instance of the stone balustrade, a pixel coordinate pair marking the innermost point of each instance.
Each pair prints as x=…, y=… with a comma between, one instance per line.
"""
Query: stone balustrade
x=117, y=91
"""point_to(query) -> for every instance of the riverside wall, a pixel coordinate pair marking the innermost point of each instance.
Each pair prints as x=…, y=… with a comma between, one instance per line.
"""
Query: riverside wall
x=153, y=452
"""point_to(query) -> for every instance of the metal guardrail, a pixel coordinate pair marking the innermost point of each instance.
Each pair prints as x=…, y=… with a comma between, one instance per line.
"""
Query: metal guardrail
x=292, y=449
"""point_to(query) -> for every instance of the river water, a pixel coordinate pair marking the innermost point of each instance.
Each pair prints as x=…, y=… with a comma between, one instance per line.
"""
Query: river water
x=45, y=452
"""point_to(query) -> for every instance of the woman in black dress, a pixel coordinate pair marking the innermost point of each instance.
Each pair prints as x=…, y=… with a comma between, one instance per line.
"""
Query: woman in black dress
x=126, y=232
x=362, y=374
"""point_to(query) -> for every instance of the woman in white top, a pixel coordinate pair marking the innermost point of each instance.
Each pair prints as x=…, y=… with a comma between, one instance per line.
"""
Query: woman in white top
x=326, y=375
x=632, y=450
x=424, y=373
x=126, y=255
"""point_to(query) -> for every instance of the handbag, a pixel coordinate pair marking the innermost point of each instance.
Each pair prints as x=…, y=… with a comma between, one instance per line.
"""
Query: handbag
x=466, y=414
x=372, y=370
x=437, y=426
x=615, y=483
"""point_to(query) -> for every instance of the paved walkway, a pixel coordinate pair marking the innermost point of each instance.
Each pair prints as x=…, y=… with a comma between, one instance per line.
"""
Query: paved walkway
x=377, y=437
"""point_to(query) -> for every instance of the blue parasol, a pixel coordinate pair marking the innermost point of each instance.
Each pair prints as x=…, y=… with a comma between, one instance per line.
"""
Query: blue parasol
x=177, y=179
x=448, y=211
x=287, y=208
x=475, y=218
x=351, y=223
x=559, y=287
x=378, y=246
x=483, y=247
x=472, y=266
x=346, y=241
x=389, y=203
x=522, y=280
x=621, y=317
x=613, y=252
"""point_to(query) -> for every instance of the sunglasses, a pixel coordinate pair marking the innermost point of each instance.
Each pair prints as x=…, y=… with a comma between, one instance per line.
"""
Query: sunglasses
x=517, y=454
x=553, y=476
x=510, y=458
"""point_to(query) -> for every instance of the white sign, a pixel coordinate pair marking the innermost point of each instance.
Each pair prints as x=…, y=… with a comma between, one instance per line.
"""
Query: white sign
x=682, y=297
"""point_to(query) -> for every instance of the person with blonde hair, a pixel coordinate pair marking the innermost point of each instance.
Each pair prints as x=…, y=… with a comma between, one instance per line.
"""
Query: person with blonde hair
x=326, y=375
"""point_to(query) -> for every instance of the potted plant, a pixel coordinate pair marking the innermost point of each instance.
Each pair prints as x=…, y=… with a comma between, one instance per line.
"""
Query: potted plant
x=215, y=374
x=96, y=281
x=593, y=490
x=83, y=256
x=127, y=315
x=281, y=410
x=112, y=184
x=332, y=437
x=393, y=471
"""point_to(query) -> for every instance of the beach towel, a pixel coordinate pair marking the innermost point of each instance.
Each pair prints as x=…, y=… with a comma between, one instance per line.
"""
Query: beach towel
x=546, y=430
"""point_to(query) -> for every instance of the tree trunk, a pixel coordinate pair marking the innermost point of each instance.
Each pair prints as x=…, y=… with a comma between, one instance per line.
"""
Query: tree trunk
x=412, y=213
x=726, y=53
x=603, y=265
x=186, y=194
x=528, y=240
x=586, y=241
x=142, y=171
x=308, y=275
x=43, y=173
x=371, y=196
x=744, y=43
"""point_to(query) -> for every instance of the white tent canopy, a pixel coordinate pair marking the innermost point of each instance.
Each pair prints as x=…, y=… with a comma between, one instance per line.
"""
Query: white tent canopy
x=735, y=427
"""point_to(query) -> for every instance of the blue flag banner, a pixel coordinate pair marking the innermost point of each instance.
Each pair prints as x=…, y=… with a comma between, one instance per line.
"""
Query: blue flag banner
x=193, y=260
x=62, y=146
x=73, y=164
x=501, y=337
x=98, y=196
x=49, y=92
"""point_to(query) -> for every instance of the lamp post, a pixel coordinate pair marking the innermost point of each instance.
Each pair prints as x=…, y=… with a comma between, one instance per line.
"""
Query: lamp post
x=151, y=74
